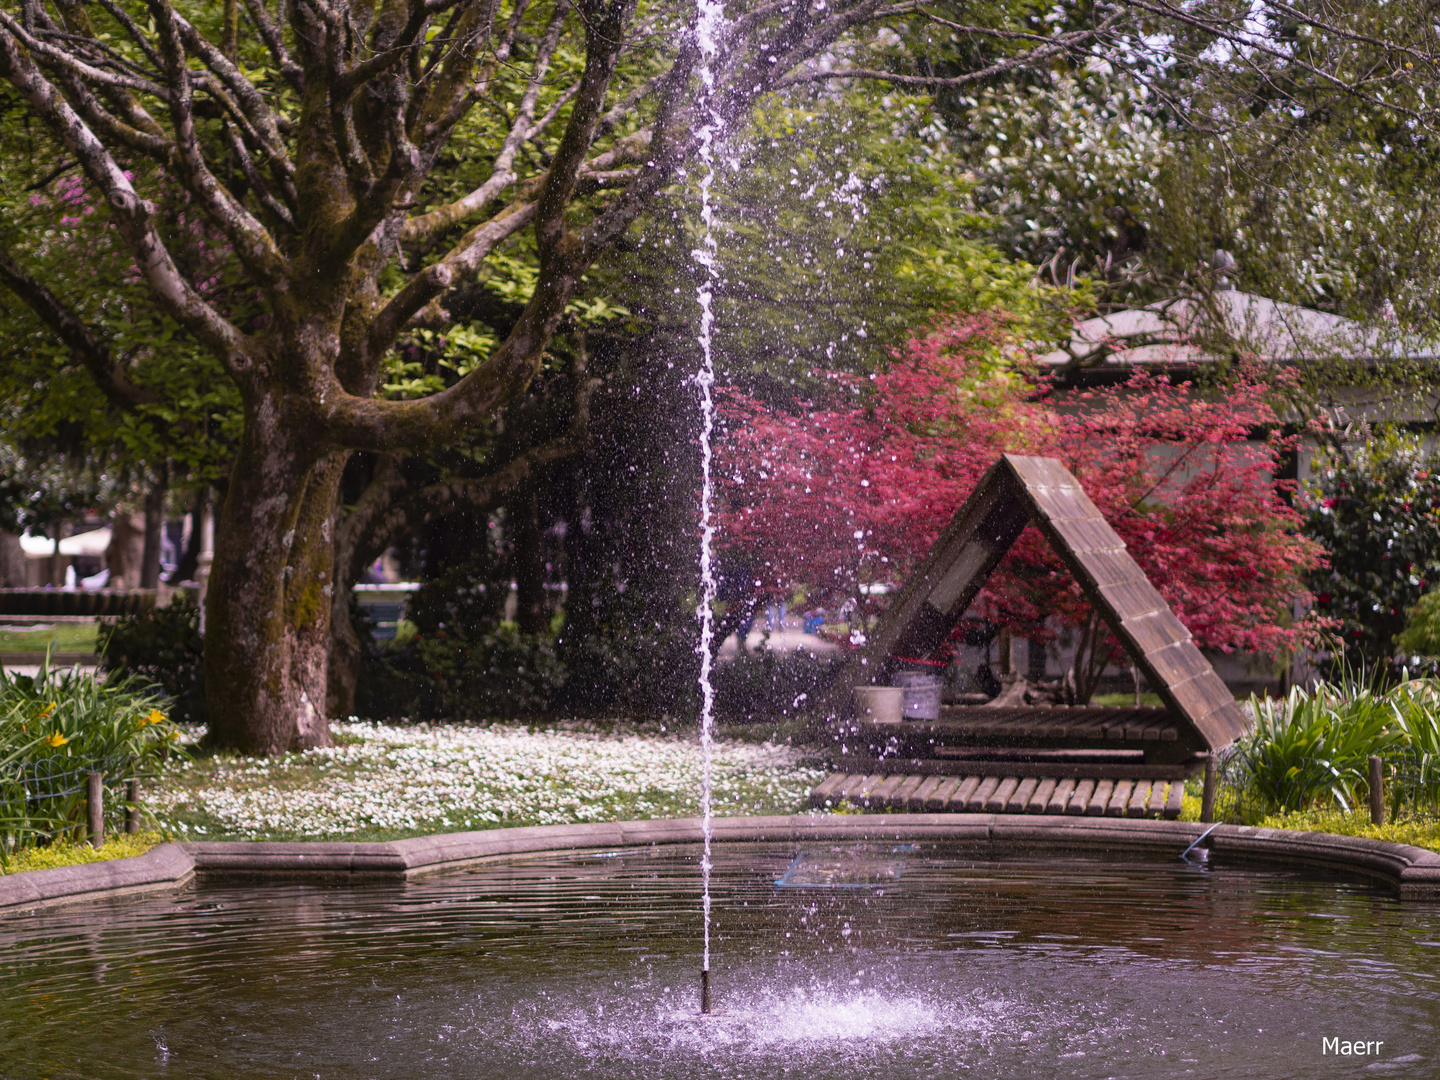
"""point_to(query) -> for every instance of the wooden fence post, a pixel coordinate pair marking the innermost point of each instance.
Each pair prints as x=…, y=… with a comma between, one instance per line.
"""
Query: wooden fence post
x=1207, y=797
x=1377, y=790
x=132, y=808
x=95, y=808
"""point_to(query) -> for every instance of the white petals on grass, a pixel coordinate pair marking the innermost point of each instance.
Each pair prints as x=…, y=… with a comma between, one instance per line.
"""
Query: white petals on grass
x=387, y=779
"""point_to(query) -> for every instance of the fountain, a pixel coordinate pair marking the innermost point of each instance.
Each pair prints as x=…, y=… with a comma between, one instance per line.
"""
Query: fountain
x=709, y=27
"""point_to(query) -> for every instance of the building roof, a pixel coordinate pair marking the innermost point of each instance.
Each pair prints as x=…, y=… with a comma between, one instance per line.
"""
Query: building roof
x=1184, y=332
x=1015, y=492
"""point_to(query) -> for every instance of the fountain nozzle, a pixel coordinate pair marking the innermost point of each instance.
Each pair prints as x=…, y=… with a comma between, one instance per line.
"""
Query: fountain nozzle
x=704, y=991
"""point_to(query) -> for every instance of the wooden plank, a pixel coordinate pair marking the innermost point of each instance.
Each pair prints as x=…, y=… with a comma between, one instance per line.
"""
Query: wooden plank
x=849, y=788
x=1136, y=807
x=995, y=804
x=1040, y=799
x=1119, y=798
x=1173, y=803
x=1013, y=767
x=1017, y=801
x=1156, y=805
x=1177, y=662
x=1081, y=797
x=1038, y=473
x=1062, y=503
x=825, y=787
x=900, y=798
x=1100, y=799
x=880, y=795
x=1086, y=534
x=1132, y=599
x=872, y=781
x=1155, y=631
x=962, y=794
x=1109, y=567
x=941, y=795
x=1060, y=797
x=922, y=793
x=976, y=801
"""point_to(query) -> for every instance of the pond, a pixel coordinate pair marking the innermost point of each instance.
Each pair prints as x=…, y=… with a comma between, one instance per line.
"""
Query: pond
x=869, y=960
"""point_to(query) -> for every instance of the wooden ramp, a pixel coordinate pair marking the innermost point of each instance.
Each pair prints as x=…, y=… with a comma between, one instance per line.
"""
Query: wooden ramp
x=1098, y=793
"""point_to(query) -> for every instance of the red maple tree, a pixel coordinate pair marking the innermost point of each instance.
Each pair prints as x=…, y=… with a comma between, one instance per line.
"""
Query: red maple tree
x=849, y=488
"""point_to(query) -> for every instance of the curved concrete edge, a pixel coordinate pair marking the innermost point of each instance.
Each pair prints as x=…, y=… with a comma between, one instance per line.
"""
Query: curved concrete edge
x=1413, y=872
x=167, y=866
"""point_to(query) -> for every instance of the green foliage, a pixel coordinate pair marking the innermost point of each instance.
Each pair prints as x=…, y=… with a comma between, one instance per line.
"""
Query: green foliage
x=495, y=674
x=769, y=686
x=55, y=727
x=1425, y=834
x=463, y=660
x=1312, y=749
x=162, y=646
x=67, y=852
x=1421, y=636
x=843, y=223
x=1377, y=511
x=1069, y=163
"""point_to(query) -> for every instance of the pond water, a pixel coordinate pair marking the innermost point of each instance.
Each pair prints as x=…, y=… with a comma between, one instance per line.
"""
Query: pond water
x=830, y=961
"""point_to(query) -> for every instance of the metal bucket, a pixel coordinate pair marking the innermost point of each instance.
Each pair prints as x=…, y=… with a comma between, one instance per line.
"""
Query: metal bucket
x=923, y=692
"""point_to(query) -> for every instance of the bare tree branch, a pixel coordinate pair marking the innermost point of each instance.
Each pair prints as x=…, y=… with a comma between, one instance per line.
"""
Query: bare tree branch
x=109, y=375
x=132, y=214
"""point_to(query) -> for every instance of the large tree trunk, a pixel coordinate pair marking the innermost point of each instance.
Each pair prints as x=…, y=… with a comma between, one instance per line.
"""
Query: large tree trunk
x=126, y=552
x=269, y=603
x=13, y=571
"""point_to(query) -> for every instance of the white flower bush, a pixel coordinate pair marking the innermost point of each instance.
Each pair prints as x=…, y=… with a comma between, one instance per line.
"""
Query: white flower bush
x=385, y=781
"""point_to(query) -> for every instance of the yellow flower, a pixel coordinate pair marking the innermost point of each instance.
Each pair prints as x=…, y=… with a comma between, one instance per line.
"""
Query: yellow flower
x=47, y=711
x=154, y=716
x=56, y=740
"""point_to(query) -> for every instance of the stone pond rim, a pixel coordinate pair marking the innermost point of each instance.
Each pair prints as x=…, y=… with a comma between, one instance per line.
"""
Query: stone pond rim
x=1411, y=872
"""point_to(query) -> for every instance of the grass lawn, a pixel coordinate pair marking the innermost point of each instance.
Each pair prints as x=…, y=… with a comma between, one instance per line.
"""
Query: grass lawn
x=1125, y=700
x=66, y=637
x=384, y=781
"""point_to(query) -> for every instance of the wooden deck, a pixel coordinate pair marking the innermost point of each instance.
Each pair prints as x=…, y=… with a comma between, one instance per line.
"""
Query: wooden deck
x=967, y=791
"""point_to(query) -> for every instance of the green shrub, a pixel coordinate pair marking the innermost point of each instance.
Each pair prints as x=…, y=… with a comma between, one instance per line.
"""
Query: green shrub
x=1312, y=749
x=1421, y=636
x=497, y=674
x=1377, y=511
x=164, y=647
x=57, y=726
x=770, y=686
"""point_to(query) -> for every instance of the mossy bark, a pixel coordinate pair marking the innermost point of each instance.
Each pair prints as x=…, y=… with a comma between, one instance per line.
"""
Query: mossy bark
x=270, y=595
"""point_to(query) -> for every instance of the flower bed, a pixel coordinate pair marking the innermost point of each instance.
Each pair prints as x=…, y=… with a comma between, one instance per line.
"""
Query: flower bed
x=386, y=781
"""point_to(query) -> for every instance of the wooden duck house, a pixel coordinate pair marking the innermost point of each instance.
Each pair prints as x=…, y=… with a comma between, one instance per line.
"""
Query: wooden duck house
x=1128, y=761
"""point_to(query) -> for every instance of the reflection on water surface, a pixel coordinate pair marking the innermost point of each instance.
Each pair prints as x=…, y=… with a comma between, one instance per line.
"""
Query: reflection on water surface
x=831, y=960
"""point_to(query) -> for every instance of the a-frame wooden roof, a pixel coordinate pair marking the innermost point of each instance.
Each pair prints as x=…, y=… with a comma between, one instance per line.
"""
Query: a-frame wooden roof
x=1015, y=492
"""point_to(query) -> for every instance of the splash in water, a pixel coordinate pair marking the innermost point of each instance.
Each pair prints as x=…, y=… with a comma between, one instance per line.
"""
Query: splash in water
x=709, y=26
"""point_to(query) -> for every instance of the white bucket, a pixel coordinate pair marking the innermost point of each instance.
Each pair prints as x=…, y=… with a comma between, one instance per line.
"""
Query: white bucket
x=923, y=692
x=881, y=704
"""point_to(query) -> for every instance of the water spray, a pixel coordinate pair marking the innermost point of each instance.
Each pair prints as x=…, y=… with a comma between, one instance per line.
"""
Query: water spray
x=709, y=25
